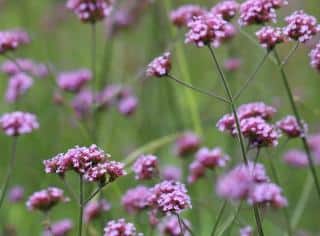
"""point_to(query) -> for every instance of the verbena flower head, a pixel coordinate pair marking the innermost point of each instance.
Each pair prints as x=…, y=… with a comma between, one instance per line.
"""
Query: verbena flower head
x=212, y=158
x=269, y=37
x=315, y=57
x=160, y=66
x=59, y=228
x=259, y=133
x=301, y=26
x=18, y=123
x=16, y=194
x=236, y=184
x=120, y=228
x=227, y=9
x=128, y=105
x=145, y=167
x=267, y=194
x=115, y=170
x=170, y=226
x=82, y=103
x=208, y=29
x=187, y=143
x=90, y=11
x=182, y=15
x=171, y=173
x=291, y=128
x=12, y=39
x=74, y=81
x=136, y=199
x=232, y=64
x=23, y=65
x=45, y=199
x=18, y=85
x=246, y=231
x=109, y=95
x=169, y=197
x=296, y=158
x=95, y=209
x=196, y=171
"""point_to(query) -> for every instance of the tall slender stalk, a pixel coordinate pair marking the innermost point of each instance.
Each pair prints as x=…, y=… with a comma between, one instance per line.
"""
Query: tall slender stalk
x=240, y=137
x=9, y=171
x=220, y=214
x=80, y=225
x=298, y=118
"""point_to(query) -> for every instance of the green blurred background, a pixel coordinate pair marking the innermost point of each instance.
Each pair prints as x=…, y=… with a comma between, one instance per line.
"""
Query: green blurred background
x=165, y=108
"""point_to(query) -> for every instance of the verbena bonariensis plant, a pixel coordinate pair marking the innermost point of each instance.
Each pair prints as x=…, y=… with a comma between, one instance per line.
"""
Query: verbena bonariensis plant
x=165, y=194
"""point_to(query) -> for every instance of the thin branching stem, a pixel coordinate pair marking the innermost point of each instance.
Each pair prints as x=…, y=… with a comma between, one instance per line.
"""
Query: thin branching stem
x=252, y=76
x=70, y=190
x=80, y=225
x=202, y=91
x=220, y=214
x=298, y=118
x=240, y=137
x=9, y=171
x=290, y=54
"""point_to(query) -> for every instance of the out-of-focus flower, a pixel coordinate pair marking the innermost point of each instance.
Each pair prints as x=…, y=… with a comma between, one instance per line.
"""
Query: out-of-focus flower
x=269, y=37
x=90, y=11
x=212, y=158
x=301, y=26
x=120, y=228
x=170, y=226
x=227, y=9
x=74, y=81
x=95, y=209
x=145, y=167
x=136, y=199
x=109, y=95
x=18, y=85
x=171, y=173
x=45, y=199
x=232, y=64
x=60, y=228
x=290, y=127
x=246, y=231
x=182, y=15
x=128, y=105
x=296, y=158
x=208, y=29
x=82, y=103
x=187, y=143
x=169, y=197
x=18, y=123
x=160, y=66
x=315, y=57
x=267, y=194
x=13, y=39
x=196, y=171
x=16, y=194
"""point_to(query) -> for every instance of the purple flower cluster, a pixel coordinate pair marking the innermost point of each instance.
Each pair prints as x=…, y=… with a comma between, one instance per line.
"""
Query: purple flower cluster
x=186, y=144
x=95, y=209
x=145, y=167
x=16, y=194
x=160, y=66
x=74, y=81
x=315, y=57
x=206, y=159
x=18, y=85
x=18, y=123
x=232, y=64
x=291, y=128
x=250, y=183
x=169, y=197
x=296, y=158
x=170, y=226
x=128, y=105
x=45, y=199
x=91, y=162
x=12, y=39
x=301, y=26
x=136, y=199
x=82, y=103
x=259, y=11
x=226, y=9
x=59, y=228
x=209, y=29
x=246, y=231
x=181, y=16
x=171, y=173
x=90, y=11
x=120, y=228
x=24, y=65
x=269, y=37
